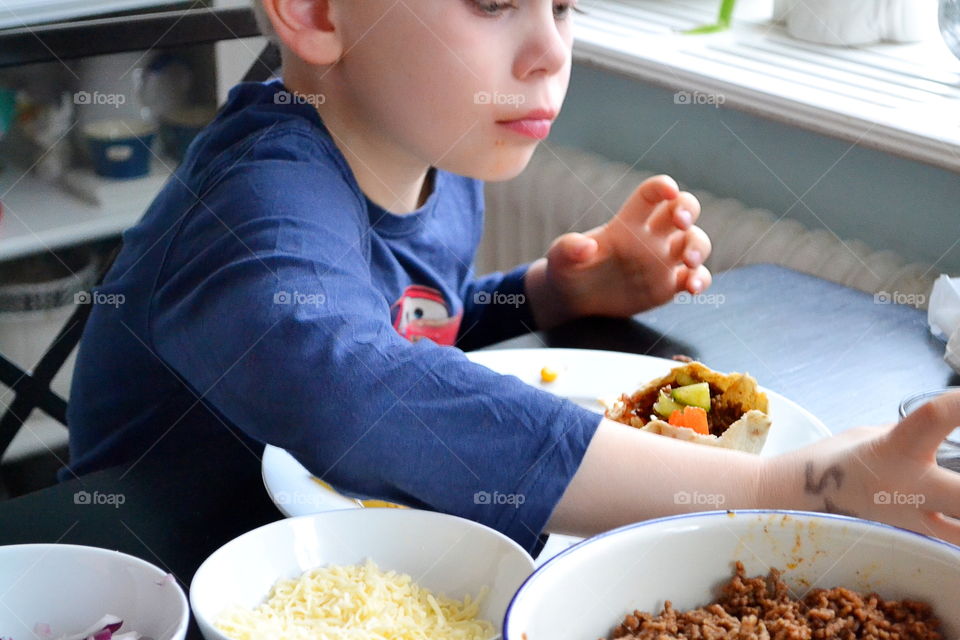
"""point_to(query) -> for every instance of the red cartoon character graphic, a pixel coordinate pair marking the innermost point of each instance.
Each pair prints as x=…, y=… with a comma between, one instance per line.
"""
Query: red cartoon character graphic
x=422, y=313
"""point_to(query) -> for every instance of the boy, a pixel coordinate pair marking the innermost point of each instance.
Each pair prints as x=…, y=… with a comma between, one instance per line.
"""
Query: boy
x=301, y=278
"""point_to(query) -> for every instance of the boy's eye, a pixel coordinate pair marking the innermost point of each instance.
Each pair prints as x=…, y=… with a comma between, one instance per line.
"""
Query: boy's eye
x=496, y=7
x=492, y=7
x=563, y=9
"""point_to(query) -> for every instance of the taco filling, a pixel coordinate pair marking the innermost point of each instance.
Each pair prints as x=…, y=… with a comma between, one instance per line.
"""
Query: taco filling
x=698, y=404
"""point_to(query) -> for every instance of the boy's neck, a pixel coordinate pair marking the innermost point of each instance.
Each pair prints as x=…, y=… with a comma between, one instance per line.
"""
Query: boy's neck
x=386, y=175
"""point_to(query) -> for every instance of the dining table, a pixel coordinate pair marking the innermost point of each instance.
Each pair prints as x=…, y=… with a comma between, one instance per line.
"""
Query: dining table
x=846, y=356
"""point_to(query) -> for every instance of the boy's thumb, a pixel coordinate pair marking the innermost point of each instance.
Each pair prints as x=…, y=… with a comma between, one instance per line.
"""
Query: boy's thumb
x=923, y=430
x=572, y=249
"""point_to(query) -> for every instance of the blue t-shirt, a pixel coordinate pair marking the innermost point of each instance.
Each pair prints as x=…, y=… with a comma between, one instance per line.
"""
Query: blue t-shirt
x=262, y=293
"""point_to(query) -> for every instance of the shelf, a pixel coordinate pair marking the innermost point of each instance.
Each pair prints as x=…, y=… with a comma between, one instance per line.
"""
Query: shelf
x=903, y=99
x=100, y=36
x=40, y=216
x=22, y=13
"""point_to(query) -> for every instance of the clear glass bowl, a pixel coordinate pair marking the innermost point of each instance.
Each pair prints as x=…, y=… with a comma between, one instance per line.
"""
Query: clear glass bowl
x=950, y=24
x=948, y=453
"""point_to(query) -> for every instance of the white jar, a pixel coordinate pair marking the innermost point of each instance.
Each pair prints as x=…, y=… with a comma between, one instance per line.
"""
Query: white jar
x=857, y=22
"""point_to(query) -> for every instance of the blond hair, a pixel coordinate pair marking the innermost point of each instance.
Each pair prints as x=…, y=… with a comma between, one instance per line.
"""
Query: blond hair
x=263, y=22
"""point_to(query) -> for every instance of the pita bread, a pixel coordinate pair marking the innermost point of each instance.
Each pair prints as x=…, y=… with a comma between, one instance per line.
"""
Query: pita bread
x=738, y=412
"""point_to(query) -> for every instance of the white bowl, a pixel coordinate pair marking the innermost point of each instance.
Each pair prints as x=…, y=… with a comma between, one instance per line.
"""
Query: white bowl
x=71, y=587
x=443, y=553
x=587, y=590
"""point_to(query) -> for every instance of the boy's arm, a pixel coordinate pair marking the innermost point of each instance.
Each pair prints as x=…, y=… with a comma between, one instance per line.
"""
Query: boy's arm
x=267, y=310
x=629, y=475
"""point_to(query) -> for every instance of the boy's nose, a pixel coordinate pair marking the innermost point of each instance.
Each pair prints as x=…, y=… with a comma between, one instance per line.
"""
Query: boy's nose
x=545, y=49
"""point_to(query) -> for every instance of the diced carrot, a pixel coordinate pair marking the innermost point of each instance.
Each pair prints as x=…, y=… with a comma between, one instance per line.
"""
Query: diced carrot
x=692, y=418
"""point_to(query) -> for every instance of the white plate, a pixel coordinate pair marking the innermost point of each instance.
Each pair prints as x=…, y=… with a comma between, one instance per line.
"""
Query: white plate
x=586, y=377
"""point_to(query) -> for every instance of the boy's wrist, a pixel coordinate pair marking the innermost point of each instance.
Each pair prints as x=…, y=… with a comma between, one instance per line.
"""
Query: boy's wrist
x=549, y=305
x=781, y=484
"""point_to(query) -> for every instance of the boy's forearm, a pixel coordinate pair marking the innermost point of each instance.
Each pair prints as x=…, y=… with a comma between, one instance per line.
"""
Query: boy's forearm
x=629, y=475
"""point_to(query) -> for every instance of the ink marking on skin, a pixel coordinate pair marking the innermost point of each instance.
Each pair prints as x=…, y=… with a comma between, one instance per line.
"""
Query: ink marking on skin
x=830, y=507
x=816, y=488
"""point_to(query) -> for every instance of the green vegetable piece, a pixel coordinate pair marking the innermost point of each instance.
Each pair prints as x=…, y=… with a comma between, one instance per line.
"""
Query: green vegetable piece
x=694, y=395
x=684, y=379
x=664, y=406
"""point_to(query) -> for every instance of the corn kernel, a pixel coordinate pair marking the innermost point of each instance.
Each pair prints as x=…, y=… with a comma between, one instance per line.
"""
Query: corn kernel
x=548, y=374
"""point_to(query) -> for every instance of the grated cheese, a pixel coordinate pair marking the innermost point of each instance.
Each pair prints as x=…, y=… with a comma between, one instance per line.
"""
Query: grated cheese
x=359, y=602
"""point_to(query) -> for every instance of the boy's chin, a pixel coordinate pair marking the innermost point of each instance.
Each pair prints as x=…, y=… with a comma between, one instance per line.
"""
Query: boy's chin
x=499, y=166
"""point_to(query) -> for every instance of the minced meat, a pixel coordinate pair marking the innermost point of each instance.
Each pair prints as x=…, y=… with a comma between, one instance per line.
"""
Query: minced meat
x=762, y=609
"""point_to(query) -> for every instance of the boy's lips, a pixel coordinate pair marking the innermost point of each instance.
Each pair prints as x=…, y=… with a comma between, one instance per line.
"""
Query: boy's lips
x=534, y=124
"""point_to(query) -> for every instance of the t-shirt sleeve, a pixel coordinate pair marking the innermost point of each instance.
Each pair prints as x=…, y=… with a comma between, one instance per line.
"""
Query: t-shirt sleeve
x=265, y=307
x=495, y=308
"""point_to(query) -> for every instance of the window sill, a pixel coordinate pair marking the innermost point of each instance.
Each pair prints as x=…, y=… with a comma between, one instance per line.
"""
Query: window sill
x=901, y=99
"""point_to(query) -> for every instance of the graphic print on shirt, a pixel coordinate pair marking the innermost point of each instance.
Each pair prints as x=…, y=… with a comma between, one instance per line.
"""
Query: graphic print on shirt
x=421, y=312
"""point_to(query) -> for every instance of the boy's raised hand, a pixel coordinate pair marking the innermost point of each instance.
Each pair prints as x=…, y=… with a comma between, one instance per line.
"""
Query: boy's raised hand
x=889, y=474
x=648, y=252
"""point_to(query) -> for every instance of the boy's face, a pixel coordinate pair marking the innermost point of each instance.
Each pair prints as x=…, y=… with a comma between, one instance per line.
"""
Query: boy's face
x=468, y=86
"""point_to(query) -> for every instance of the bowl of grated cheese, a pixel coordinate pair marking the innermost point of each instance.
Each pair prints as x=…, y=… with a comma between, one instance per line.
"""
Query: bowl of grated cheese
x=360, y=574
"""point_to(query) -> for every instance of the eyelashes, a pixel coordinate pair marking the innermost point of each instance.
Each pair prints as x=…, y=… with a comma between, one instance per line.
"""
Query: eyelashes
x=494, y=8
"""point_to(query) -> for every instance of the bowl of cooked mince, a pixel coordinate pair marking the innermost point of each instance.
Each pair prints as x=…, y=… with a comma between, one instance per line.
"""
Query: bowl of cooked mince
x=744, y=575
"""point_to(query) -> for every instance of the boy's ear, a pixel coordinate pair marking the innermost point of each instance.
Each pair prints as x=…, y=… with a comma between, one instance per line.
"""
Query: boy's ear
x=308, y=28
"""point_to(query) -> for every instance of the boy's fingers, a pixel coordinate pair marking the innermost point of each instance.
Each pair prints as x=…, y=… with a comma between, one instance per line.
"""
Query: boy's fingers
x=644, y=200
x=694, y=280
x=942, y=527
x=572, y=249
x=920, y=433
x=940, y=492
x=681, y=213
x=697, y=248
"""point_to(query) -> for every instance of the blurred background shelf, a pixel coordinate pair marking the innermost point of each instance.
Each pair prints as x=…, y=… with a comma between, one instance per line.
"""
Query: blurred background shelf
x=100, y=36
x=40, y=216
